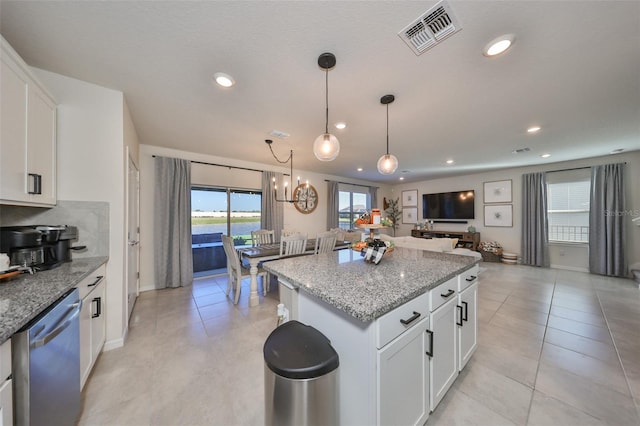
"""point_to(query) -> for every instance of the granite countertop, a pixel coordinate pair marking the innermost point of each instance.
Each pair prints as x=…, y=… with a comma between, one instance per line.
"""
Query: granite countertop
x=22, y=298
x=364, y=290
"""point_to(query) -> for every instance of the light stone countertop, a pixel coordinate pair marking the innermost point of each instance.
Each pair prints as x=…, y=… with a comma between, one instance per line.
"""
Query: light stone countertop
x=22, y=298
x=364, y=290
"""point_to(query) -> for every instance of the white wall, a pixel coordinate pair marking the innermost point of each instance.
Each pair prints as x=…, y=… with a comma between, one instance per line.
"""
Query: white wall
x=91, y=168
x=310, y=223
x=562, y=255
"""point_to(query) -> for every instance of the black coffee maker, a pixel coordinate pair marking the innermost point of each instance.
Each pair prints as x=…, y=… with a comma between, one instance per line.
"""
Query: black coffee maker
x=39, y=246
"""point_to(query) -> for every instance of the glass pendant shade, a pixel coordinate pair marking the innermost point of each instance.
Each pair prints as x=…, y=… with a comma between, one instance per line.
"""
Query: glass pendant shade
x=387, y=164
x=326, y=147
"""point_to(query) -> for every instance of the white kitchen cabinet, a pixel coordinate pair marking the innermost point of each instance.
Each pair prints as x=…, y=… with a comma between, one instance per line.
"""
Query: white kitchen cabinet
x=6, y=385
x=467, y=324
x=467, y=315
x=443, y=365
x=403, y=378
x=92, y=320
x=27, y=135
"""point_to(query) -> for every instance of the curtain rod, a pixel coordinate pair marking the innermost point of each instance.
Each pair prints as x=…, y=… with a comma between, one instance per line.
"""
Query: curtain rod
x=574, y=168
x=225, y=165
x=348, y=183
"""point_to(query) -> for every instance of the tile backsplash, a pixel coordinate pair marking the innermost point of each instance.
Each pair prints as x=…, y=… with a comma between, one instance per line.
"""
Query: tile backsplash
x=91, y=218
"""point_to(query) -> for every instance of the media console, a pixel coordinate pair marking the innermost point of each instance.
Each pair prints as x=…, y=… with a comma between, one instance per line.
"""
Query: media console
x=468, y=240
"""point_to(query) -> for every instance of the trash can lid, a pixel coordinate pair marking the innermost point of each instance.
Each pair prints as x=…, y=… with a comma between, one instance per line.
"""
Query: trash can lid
x=298, y=351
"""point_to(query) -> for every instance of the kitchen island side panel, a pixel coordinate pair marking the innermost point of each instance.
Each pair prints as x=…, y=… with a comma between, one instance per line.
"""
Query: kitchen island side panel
x=355, y=343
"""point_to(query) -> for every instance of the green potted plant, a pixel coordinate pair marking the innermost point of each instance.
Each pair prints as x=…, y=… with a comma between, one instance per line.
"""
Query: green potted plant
x=394, y=213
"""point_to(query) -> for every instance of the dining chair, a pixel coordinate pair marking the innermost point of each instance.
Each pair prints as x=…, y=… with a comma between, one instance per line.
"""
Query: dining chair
x=262, y=236
x=325, y=242
x=293, y=244
x=288, y=232
x=237, y=271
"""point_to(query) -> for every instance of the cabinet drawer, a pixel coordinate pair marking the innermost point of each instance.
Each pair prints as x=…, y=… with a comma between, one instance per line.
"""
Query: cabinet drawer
x=91, y=281
x=394, y=323
x=468, y=277
x=5, y=360
x=440, y=294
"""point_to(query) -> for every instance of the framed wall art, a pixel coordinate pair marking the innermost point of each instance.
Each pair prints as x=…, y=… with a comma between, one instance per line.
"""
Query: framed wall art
x=410, y=198
x=498, y=215
x=410, y=215
x=497, y=192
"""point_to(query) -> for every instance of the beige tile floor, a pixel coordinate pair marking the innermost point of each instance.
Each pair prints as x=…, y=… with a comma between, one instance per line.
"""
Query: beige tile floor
x=555, y=348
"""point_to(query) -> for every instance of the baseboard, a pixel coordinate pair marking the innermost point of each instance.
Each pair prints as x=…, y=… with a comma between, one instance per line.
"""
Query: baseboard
x=115, y=343
x=570, y=268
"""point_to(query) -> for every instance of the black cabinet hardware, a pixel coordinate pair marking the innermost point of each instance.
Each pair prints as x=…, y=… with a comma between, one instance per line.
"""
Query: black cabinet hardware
x=35, y=183
x=448, y=294
x=466, y=312
x=98, y=302
x=98, y=279
x=460, y=316
x=415, y=316
x=430, y=351
x=471, y=278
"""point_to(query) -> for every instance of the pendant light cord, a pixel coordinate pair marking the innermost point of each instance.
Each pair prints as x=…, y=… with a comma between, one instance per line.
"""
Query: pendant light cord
x=387, y=129
x=326, y=96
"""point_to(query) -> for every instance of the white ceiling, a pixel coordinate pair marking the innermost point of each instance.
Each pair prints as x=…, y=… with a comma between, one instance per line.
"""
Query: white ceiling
x=574, y=70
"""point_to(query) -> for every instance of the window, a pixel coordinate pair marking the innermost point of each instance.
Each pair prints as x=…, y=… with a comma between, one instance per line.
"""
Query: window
x=351, y=204
x=216, y=212
x=568, y=211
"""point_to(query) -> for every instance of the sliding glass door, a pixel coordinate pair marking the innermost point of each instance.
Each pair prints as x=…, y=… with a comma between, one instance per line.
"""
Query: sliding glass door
x=216, y=212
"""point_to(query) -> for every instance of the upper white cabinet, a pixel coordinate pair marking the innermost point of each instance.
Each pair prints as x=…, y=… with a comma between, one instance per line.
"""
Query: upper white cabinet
x=27, y=135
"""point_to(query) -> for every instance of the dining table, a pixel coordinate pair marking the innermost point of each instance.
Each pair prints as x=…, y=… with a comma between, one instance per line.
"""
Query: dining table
x=264, y=252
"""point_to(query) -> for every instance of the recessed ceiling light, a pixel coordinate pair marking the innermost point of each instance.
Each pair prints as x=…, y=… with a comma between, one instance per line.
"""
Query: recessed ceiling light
x=449, y=161
x=401, y=177
x=359, y=169
x=545, y=155
x=533, y=129
x=498, y=45
x=224, y=80
x=617, y=151
x=341, y=125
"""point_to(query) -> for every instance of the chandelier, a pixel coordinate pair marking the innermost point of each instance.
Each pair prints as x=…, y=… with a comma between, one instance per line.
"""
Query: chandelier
x=289, y=160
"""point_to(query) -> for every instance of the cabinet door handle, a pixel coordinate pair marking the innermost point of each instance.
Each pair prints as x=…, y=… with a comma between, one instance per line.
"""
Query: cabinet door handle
x=466, y=311
x=35, y=184
x=459, y=316
x=98, y=301
x=414, y=317
x=98, y=279
x=471, y=278
x=430, y=351
x=448, y=294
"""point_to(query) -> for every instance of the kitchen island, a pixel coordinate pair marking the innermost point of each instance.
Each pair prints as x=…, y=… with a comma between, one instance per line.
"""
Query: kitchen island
x=403, y=329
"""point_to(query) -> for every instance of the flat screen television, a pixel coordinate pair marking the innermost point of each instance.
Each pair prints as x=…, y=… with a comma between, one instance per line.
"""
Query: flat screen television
x=458, y=205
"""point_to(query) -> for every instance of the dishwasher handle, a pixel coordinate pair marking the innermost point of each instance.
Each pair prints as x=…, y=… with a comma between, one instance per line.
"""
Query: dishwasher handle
x=70, y=316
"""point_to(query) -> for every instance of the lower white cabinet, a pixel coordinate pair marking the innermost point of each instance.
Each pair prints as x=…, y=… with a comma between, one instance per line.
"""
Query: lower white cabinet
x=467, y=324
x=92, y=320
x=443, y=365
x=403, y=378
x=6, y=385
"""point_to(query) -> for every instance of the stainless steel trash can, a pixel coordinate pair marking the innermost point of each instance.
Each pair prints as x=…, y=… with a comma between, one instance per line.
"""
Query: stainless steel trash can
x=300, y=377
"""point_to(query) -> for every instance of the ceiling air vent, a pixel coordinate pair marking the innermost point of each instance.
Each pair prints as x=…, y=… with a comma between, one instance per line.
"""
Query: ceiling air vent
x=431, y=28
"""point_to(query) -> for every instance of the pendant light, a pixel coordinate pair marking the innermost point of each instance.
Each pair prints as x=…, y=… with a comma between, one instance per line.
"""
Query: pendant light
x=388, y=163
x=326, y=147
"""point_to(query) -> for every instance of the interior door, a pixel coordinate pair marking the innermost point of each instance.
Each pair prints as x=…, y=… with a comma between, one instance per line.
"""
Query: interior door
x=133, y=234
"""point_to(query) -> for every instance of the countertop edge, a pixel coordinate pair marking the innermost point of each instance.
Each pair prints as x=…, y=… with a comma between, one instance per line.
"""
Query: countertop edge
x=19, y=303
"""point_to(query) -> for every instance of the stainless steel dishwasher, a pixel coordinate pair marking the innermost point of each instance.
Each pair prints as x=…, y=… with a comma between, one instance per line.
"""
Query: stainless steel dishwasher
x=46, y=365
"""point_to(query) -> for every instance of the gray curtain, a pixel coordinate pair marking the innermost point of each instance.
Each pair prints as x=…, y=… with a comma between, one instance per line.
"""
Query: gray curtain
x=333, y=204
x=535, y=235
x=373, y=193
x=606, y=221
x=173, y=257
x=272, y=211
